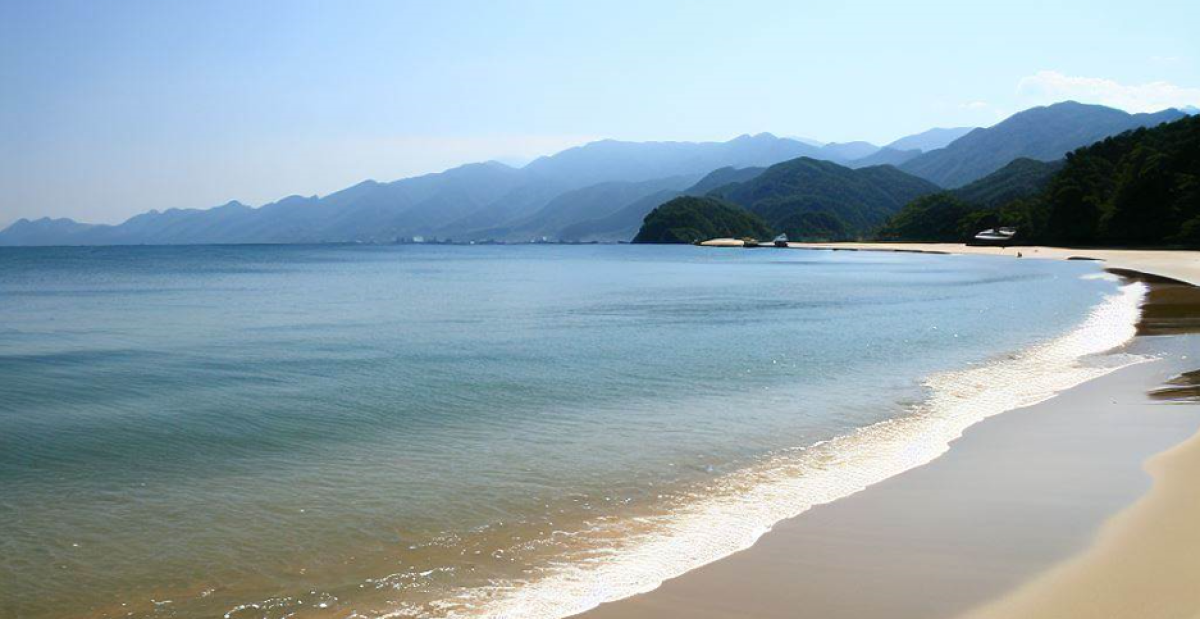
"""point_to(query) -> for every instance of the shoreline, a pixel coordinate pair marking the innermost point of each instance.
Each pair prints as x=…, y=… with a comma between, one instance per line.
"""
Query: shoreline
x=1017, y=494
x=818, y=564
x=1127, y=572
x=1180, y=265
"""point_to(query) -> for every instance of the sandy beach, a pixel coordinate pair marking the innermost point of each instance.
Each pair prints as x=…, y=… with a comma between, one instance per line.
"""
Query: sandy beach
x=1080, y=506
x=1181, y=265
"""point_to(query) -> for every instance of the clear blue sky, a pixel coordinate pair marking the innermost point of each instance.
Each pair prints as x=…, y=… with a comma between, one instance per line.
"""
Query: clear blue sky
x=113, y=108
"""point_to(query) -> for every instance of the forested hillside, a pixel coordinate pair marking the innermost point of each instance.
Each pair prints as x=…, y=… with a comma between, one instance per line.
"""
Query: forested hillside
x=689, y=219
x=1140, y=188
x=810, y=199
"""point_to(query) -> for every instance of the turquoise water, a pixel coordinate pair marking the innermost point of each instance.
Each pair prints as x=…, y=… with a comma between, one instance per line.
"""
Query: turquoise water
x=423, y=431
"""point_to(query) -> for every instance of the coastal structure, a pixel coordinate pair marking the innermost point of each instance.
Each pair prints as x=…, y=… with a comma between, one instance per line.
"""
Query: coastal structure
x=995, y=236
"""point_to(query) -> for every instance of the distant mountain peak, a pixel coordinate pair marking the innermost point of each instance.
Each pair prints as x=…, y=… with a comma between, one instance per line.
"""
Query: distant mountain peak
x=1043, y=133
x=46, y=220
x=930, y=139
x=609, y=185
x=809, y=141
x=756, y=137
x=43, y=231
x=1069, y=103
x=1077, y=107
x=848, y=151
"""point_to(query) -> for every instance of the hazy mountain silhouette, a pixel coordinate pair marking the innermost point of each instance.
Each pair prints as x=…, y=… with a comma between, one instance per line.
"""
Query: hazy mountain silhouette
x=844, y=152
x=885, y=156
x=44, y=231
x=589, y=203
x=623, y=224
x=608, y=160
x=602, y=190
x=467, y=202
x=1042, y=133
x=932, y=139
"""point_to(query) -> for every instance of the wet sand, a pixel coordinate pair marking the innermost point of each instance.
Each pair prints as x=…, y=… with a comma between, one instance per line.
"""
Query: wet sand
x=1016, y=494
x=1145, y=563
x=1019, y=519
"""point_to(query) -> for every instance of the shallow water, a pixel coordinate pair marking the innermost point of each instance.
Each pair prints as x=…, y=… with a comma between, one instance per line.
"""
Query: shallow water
x=331, y=431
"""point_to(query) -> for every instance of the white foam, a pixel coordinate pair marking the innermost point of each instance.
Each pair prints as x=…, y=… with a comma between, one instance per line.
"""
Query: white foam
x=745, y=505
x=1101, y=276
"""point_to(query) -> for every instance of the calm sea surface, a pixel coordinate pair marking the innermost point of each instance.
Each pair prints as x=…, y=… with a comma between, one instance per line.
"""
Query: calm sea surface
x=434, y=431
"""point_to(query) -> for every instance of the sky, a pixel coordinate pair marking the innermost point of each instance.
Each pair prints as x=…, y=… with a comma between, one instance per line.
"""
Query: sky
x=109, y=109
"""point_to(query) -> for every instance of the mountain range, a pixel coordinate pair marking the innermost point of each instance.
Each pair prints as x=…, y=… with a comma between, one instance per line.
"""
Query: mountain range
x=1042, y=133
x=600, y=191
x=807, y=198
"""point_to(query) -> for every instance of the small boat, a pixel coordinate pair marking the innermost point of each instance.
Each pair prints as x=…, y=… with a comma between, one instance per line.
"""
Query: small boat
x=749, y=242
x=996, y=236
x=781, y=241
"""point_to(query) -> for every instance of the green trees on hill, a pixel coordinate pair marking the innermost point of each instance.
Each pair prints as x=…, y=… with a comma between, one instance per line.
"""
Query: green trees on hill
x=1141, y=187
x=1019, y=179
x=937, y=218
x=689, y=219
x=1138, y=188
x=818, y=200
x=804, y=198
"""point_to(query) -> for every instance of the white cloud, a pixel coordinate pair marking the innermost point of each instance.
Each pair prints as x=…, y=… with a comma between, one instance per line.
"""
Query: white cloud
x=976, y=105
x=1051, y=86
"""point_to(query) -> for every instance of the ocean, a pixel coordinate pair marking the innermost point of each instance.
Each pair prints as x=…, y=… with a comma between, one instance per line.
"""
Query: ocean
x=461, y=431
